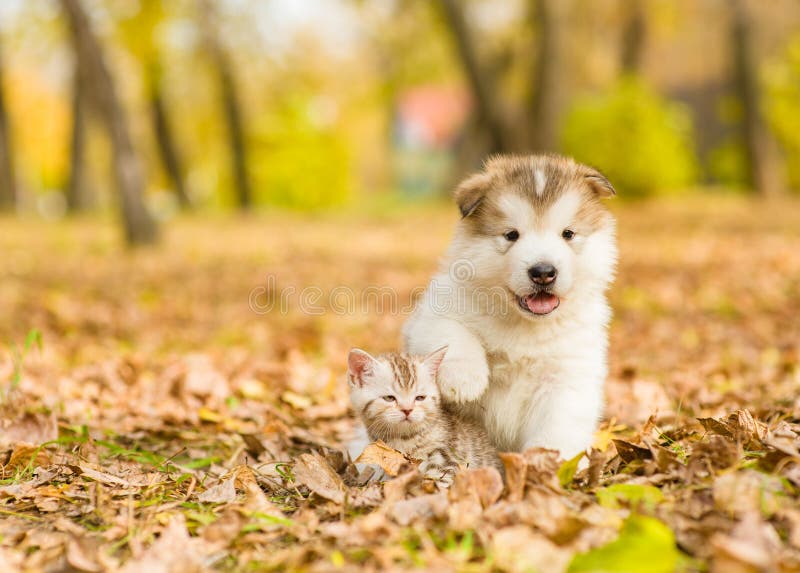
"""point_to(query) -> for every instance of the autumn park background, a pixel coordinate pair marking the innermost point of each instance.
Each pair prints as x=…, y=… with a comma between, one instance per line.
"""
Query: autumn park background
x=175, y=176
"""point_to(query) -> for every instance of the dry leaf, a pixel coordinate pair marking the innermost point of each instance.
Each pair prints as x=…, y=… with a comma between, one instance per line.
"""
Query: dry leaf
x=407, y=511
x=484, y=485
x=28, y=428
x=516, y=469
x=312, y=471
x=154, y=427
x=747, y=491
x=296, y=401
x=223, y=492
x=396, y=489
x=173, y=552
x=82, y=554
x=752, y=546
x=542, y=467
x=23, y=456
x=517, y=548
x=102, y=477
x=629, y=452
x=368, y=496
x=389, y=459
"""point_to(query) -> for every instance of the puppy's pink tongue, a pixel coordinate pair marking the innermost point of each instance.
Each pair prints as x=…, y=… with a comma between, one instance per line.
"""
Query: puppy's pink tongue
x=542, y=303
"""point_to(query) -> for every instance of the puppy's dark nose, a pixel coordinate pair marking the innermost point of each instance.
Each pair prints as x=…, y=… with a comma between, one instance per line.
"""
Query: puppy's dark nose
x=542, y=273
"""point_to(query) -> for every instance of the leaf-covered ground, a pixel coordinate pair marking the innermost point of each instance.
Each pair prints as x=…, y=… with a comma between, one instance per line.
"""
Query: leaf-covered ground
x=154, y=416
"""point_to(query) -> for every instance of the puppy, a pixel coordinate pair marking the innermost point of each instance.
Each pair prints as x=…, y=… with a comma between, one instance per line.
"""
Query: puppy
x=520, y=301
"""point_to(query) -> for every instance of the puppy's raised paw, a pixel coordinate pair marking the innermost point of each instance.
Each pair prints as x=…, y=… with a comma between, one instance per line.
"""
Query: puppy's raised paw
x=463, y=380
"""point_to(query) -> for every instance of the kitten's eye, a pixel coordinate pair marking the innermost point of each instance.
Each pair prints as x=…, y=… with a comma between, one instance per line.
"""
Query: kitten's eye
x=419, y=398
x=568, y=234
x=511, y=235
x=390, y=398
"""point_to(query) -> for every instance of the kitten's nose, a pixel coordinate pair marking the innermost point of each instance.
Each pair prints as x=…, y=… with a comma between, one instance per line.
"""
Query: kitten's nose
x=407, y=412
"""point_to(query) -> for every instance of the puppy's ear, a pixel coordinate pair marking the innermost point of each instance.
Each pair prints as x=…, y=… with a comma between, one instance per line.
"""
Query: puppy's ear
x=598, y=183
x=359, y=364
x=471, y=192
x=434, y=359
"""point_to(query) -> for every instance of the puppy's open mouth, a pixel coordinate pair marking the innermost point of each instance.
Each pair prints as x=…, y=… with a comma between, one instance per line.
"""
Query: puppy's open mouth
x=539, y=303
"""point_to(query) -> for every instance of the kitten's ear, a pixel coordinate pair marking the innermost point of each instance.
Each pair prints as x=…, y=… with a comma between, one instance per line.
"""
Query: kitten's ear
x=359, y=363
x=434, y=359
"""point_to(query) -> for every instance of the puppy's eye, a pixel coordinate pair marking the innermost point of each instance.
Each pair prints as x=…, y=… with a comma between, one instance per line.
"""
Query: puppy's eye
x=568, y=234
x=511, y=235
x=390, y=398
x=419, y=398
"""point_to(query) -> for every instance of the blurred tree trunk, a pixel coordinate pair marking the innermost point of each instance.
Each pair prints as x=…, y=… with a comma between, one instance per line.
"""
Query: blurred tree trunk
x=634, y=35
x=546, y=93
x=480, y=81
x=765, y=166
x=140, y=227
x=77, y=194
x=165, y=139
x=8, y=184
x=231, y=106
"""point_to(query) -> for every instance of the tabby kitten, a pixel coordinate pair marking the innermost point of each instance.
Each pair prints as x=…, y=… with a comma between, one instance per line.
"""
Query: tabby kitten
x=397, y=398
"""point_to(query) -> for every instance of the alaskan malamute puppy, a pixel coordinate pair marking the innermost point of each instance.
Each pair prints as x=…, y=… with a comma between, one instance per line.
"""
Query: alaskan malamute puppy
x=520, y=302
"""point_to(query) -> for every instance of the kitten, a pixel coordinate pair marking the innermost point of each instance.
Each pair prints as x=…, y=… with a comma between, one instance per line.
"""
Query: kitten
x=397, y=398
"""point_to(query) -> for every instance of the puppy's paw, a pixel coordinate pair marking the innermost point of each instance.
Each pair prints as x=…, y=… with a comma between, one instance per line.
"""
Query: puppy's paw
x=463, y=380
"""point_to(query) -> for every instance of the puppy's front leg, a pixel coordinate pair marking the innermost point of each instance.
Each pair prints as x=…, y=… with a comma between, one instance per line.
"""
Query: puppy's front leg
x=565, y=419
x=464, y=373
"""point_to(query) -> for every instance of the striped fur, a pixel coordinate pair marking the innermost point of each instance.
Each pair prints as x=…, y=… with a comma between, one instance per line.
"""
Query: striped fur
x=415, y=421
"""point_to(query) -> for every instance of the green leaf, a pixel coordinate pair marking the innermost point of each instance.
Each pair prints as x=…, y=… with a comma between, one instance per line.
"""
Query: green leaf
x=635, y=494
x=645, y=545
x=567, y=470
x=201, y=462
x=34, y=337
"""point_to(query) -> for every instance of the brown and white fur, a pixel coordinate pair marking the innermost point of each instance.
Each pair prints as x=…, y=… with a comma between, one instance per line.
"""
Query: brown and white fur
x=398, y=400
x=527, y=348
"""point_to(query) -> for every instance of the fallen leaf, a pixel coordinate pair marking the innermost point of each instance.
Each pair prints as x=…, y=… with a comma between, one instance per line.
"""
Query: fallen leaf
x=173, y=552
x=370, y=495
x=396, y=489
x=748, y=491
x=518, y=549
x=296, y=401
x=644, y=545
x=566, y=473
x=739, y=426
x=28, y=428
x=25, y=456
x=542, y=467
x=484, y=485
x=102, y=477
x=753, y=545
x=635, y=496
x=407, y=511
x=82, y=554
x=389, y=459
x=223, y=492
x=317, y=475
x=631, y=452
x=515, y=469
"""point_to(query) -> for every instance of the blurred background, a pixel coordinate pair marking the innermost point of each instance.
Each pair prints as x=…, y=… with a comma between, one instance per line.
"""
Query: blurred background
x=271, y=149
x=159, y=106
